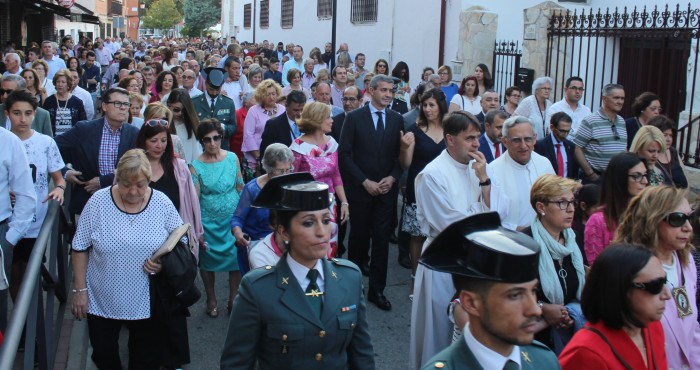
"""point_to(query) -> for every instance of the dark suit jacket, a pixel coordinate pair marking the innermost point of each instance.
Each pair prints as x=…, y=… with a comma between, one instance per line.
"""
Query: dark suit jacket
x=225, y=112
x=338, y=126
x=41, y=122
x=362, y=157
x=410, y=118
x=399, y=106
x=81, y=146
x=484, y=147
x=276, y=130
x=482, y=118
x=545, y=148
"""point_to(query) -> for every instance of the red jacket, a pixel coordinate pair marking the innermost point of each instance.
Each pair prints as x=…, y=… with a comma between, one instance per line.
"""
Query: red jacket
x=587, y=351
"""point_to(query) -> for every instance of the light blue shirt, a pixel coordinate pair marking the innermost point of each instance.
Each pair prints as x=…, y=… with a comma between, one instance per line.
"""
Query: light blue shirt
x=289, y=65
x=300, y=271
x=55, y=64
x=375, y=116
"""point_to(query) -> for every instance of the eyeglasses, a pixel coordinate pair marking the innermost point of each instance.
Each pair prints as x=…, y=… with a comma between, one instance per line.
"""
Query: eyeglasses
x=209, y=139
x=350, y=99
x=563, y=204
x=186, y=77
x=3, y=91
x=575, y=88
x=678, y=219
x=119, y=104
x=156, y=122
x=565, y=132
x=519, y=140
x=443, y=73
x=514, y=95
x=277, y=172
x=638, y=177
x=614, y=131
x=653, y=287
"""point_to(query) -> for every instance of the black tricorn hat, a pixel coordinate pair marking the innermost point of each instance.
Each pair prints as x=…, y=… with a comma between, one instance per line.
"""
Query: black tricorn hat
x=215, y=76
x=479, y=247
x=293, y=192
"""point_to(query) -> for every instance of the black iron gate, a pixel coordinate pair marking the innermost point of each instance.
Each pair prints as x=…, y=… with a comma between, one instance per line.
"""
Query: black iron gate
x=642, y=50
x=506, y=61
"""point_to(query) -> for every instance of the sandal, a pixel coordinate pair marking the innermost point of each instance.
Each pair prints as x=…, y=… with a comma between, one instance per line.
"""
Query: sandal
x=212, y=312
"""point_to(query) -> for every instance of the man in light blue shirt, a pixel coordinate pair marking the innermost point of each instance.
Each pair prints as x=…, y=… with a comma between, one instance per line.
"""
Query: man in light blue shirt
x=297, y=62
x=55, y=63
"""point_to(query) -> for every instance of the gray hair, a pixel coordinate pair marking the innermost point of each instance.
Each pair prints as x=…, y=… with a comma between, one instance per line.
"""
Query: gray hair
x=13, y=56
x=309, y=60
x=380, y=78
x=274, y=154
x=247, y=96
x=512, y=121
x=21, y=82
x=608, y=89
x=254, y=69
x=542, y=81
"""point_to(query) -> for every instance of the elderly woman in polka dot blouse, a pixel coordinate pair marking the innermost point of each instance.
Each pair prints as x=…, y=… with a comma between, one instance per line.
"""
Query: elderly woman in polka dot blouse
x=119, y=229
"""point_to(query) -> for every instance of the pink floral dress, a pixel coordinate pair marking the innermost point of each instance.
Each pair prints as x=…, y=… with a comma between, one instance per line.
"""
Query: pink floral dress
x=322, y=163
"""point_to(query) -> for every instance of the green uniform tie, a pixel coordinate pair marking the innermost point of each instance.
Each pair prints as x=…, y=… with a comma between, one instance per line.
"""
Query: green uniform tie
x=313, y=293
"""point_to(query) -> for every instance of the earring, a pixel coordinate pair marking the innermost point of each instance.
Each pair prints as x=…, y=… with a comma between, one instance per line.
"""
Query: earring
x=542, y=213
x=286, y=242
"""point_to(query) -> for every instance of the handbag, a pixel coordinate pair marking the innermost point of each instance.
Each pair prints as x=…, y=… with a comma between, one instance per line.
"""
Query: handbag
x=179, y=267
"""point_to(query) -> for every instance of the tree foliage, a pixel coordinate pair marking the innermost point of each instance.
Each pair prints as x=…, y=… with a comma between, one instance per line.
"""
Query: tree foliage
x=162, y=14
x=201, y=14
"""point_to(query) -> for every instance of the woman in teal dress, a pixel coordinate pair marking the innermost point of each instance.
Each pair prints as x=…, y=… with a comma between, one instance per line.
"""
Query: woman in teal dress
x=217, y=175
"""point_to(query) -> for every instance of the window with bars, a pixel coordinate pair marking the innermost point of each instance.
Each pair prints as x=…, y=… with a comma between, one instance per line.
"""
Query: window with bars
x=324, y=9
x=247, y=15
x=287, y=20
x=264, y=13
x=363, y=11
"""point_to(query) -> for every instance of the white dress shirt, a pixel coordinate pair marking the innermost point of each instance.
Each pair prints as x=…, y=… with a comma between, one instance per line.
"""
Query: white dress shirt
x=563, y=153
x=300, y=271
x=577, y=115
x=86, y=98
x=487, y=358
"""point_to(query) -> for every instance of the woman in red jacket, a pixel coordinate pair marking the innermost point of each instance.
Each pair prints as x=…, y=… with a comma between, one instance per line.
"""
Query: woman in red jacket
x=624, y=298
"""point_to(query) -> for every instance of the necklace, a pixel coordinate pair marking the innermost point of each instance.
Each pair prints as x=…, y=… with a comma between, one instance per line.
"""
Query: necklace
x=132, y=219
x=59, y=102
x=270, y=112
x=563, y=274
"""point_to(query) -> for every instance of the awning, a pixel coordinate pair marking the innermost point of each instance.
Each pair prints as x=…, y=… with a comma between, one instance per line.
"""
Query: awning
x=84, y=15
x=47, y=6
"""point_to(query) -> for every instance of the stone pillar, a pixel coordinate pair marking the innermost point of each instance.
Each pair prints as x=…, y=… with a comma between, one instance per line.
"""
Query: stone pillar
x=535, y=38
x=477, y=37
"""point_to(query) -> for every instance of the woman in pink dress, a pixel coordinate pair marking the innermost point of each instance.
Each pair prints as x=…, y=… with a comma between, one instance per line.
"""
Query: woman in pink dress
x=317, y=153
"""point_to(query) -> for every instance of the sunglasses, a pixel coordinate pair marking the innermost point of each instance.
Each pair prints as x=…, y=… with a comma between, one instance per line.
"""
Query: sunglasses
x=176, y=110
x=653, y=287
x=207, y=139
x=3, y=91
x=678, y=219
x=156, y=122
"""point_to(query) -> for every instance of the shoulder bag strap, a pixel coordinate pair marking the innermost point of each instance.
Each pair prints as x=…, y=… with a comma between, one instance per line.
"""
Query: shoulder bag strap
x=619, y=358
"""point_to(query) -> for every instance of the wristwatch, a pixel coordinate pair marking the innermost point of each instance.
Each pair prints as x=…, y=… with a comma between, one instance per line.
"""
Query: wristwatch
x=485, y=183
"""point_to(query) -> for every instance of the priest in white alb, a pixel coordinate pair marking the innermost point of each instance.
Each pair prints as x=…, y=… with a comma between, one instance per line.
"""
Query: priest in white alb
x=516, y=171
x=451, y=187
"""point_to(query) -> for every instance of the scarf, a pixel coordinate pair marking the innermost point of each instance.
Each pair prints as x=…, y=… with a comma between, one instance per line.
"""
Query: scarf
x=551, y=249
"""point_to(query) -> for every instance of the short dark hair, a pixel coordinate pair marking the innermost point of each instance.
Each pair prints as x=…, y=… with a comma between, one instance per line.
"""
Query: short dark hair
x=571, y=79
x=208, y=125
x=274, y=60
x=90, y=53
x=147, y=132
x=296, y=97
x=20, y=96
x=663, y=123
x=509, y=91
x=229, y=60
x=558, y=117
x=604, y=296
x=478, y=286
x=106, y=97
x=642, y=102
x=458, y=121
x=359, y=55
x=491, y=115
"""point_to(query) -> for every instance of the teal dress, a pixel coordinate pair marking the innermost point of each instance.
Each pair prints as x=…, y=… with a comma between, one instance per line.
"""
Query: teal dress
x=218, y=187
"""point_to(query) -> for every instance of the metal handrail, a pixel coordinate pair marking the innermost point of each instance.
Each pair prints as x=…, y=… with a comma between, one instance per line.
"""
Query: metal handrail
x=28, y=308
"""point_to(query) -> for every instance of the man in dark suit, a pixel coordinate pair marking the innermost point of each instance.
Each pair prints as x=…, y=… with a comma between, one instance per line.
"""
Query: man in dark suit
x=557, y=148
x=489, y=101
x=352, y=96
x=42, y=119
x=490, y=142
x=213, y=104
x=94, y=148
x=283, y=128
x=368, y=154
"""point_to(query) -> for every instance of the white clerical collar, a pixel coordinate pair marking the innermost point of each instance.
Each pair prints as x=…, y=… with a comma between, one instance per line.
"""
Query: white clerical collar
x=487, y=358
x=516, y=164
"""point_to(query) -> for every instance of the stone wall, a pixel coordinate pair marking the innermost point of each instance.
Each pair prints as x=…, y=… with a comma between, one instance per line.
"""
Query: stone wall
x=535, y=38
x=477, y=37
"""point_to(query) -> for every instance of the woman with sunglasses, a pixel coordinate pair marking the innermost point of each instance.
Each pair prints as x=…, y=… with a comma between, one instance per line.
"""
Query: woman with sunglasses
x=217, y=175
x=185, y=122
x=381, y=67
x=648, y=144
x=660, y=219
x=251, y=225
x=158, y=114
x=623, y=299
x=561, y=272
x=625, y=177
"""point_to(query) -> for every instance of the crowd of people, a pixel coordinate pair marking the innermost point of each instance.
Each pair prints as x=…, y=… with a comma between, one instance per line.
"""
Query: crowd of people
x=269, y=155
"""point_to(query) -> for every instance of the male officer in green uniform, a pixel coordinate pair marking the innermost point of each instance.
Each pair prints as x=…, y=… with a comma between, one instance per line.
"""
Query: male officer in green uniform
x=495, y=272
x=212, y=104
x=306, y=312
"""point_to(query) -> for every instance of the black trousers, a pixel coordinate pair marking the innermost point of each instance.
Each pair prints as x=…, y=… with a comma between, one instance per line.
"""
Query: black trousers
x=371, y=226
x=104, y=337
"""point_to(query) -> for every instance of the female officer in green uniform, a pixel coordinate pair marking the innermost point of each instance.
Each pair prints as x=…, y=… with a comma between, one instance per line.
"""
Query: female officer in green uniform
x=306, y=312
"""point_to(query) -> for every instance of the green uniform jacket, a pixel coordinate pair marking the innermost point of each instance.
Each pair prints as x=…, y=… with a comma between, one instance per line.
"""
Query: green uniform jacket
x=225, y=112
x=41, y=122
x=273, y=323
x=536, y=356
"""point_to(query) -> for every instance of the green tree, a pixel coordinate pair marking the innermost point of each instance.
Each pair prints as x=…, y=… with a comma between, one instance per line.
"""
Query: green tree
x=201, y=14
x=162, y=15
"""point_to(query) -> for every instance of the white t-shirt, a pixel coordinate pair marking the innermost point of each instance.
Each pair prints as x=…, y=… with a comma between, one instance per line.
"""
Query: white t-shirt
x=473, y=107
x=44, y=158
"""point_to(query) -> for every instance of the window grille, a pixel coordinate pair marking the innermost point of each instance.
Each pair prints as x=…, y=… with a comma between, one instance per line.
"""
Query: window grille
x=287, y=20
x=247, y=15
x=324, y=9
x=363, y=11
x=264, y=13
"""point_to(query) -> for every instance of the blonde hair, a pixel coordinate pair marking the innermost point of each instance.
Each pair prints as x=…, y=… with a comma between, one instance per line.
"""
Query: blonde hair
x=640, y=222
x=549, y=186
x=136, y=96
x=157, y=109
x=65, y=74
x=313, y=116
x=261, y=90
x=132, y=164
x=323, y=72
x=42, y=63
x=645, y=136
x=446, y=69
